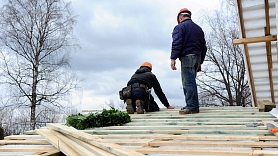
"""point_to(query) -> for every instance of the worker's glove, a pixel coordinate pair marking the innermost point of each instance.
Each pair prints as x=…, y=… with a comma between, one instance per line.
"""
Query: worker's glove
x=199, y=68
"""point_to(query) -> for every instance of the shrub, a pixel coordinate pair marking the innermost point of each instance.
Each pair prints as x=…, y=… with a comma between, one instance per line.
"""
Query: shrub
x=112, y=117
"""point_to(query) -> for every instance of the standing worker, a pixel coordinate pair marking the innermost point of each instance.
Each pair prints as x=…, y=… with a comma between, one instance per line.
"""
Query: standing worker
x=189, y=46
x=142, y=81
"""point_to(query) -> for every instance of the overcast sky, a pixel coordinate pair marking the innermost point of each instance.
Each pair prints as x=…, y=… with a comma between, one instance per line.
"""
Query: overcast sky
x=116, y=37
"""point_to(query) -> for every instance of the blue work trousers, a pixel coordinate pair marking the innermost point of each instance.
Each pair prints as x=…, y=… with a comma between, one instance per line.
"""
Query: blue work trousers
x=189, y=66
x=149, y=104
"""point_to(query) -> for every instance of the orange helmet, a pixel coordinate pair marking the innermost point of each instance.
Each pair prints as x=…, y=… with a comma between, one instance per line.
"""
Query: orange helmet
x=181, y=11
x=147, y=64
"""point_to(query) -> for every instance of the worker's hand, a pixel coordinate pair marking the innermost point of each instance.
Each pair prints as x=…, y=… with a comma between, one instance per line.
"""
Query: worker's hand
x=173, y=64
x=170, y=107
x=199, y=68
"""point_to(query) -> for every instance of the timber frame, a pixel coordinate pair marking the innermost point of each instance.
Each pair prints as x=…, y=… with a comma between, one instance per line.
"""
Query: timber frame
x=261, y=18
x=214, y=131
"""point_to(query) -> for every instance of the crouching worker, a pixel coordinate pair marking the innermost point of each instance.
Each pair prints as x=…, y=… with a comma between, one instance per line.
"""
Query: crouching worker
x=141, y=82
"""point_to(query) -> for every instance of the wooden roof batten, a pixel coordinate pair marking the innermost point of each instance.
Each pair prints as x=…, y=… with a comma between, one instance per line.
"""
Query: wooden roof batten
x=234, y=131
x=267, y=39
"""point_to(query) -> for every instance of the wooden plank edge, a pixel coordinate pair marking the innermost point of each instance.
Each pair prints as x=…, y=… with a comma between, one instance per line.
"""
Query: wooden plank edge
x=207, y=151
x=96, y=141
x=97, y=151
x=56, y=142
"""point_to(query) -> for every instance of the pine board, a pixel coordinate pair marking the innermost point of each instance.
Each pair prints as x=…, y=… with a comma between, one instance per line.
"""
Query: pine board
x=213, y=131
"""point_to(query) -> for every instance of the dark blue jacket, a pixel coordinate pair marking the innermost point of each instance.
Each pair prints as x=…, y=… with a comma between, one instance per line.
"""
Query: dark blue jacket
x=188, y=38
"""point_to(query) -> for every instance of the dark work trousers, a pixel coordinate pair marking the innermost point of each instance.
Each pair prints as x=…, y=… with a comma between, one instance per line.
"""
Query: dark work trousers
x=148, y=101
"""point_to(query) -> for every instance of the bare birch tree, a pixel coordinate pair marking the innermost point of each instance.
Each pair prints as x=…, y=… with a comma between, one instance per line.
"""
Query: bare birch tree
x=224, y=75
x=36, y=37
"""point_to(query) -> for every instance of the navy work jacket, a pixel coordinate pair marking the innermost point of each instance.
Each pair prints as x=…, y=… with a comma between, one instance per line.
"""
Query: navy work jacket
x=188, y=38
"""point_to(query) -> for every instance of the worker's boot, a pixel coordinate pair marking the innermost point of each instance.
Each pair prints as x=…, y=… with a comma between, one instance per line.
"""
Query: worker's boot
x=140, y=106
x=129, y=107
x=185, y=110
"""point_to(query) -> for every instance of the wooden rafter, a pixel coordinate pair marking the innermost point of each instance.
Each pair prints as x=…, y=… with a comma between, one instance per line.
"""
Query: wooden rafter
x=268, y=50
x=247, y=58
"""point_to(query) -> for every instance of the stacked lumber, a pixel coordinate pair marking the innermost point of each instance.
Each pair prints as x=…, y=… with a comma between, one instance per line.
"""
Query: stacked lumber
x=26, y=145
x=214, y=131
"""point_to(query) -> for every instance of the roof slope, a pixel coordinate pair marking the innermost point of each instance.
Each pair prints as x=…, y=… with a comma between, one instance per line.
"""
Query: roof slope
x=258, y=29
x=213, y=131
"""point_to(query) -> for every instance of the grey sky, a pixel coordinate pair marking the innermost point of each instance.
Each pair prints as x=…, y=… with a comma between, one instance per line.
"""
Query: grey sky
x=118, y=36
